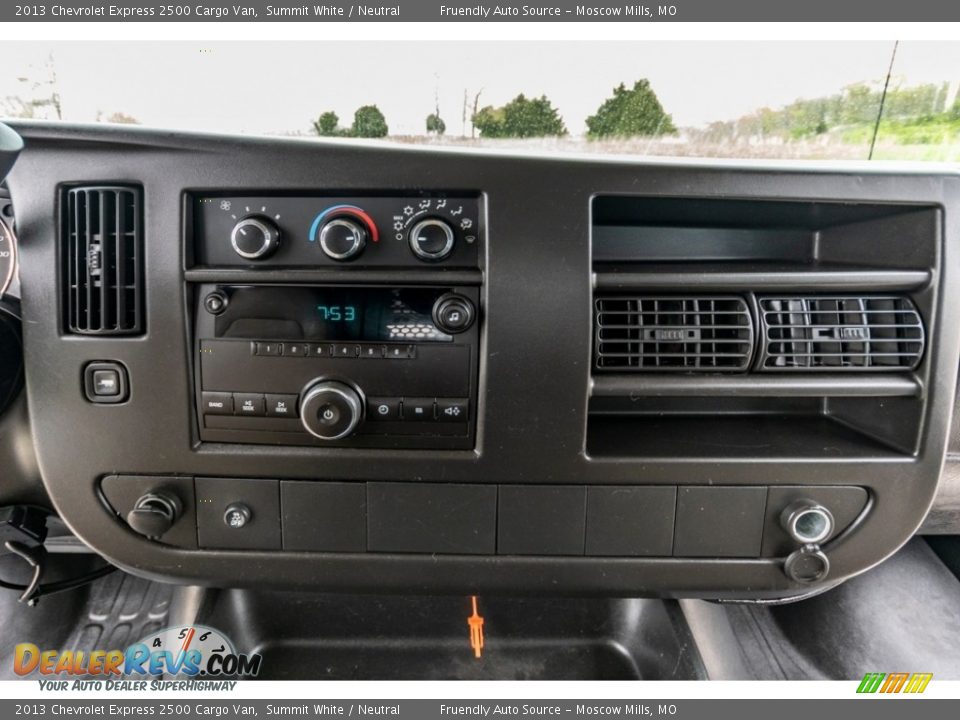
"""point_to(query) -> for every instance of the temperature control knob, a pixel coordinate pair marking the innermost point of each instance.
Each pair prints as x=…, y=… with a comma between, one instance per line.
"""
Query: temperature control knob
x=331, y=410
x=432, y=239
x=343, y=238
x=255, y=237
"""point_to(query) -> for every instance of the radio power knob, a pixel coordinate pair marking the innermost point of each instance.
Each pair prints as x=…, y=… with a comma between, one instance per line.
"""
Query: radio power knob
x=255, y=237
x=331, y=410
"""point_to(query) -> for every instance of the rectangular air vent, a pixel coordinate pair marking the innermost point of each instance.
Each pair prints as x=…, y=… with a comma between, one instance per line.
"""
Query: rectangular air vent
x=692, y=334
x=102, y=260
x=841, y=333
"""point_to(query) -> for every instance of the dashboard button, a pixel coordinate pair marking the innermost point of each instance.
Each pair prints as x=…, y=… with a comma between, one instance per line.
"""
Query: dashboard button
x=105, y=382
x=453, y=409
x=269, y=348
x=237, y=515
x=217, y=403
x=383, y=409
x=371, y=352
x=346, y=351
x=295, y=349
x=215, y=303
x=249, y=404
x=418, y=409
x=321, y=350
x=401, y=352
x=282, y=406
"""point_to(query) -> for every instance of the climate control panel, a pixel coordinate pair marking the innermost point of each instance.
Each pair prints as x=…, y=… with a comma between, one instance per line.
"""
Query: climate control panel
x=311, y=231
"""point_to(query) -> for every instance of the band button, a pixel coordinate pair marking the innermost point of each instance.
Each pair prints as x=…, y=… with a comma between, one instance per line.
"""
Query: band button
x=217, y=403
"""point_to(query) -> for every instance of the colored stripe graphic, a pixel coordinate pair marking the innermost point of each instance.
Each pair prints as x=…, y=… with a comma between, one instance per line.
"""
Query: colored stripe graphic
x=871, y=682
x=889, y=683
x=918, y=682
x=894, y=682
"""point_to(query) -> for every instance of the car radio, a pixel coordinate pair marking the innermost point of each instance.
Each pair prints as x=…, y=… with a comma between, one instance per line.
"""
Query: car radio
x=343, y=366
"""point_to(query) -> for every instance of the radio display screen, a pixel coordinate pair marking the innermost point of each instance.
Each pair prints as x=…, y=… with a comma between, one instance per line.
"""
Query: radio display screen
x=334, y=314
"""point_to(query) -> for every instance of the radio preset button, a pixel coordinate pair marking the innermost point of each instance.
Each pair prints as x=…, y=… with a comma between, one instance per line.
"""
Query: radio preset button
x=346, y=351
x=418, y=409
x=252, y=404
x=401, y=352
x=383, y=409
x=453, y=409
x=371, y=352
x=295, y=349
x=321, y=350
x=217, y=403
x=282, y=406
x=269, y=348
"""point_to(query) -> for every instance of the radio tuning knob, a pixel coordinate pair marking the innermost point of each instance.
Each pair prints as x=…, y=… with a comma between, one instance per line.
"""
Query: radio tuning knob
x=255, y=237
x=343, y=238
x=331, y=410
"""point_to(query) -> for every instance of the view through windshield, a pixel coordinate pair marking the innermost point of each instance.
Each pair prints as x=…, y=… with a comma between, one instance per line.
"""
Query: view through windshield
x=818, y=100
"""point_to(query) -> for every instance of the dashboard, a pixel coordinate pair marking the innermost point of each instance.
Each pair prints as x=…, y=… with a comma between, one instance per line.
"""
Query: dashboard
x=349, y=367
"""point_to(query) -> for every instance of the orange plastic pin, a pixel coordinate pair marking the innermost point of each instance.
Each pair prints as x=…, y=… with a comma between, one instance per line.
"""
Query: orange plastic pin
x=475, y=622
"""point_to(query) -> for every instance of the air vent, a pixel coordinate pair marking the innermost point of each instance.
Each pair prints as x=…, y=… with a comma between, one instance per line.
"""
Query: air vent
x=841, y=333
x=692, y=334
x=102, y=261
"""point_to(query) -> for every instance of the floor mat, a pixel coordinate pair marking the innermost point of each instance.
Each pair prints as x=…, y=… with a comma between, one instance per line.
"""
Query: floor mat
x=903, y=615
x=111, y=613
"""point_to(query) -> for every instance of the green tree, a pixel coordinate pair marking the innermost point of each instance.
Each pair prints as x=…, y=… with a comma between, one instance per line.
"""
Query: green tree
x=631, y=112
x=520, y=118
x=369, y=122
x=489, y=121
x=435, y=124
x=326, y=124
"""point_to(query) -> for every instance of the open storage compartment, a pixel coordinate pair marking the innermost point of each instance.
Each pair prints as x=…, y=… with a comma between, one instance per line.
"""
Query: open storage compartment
x=738, y=328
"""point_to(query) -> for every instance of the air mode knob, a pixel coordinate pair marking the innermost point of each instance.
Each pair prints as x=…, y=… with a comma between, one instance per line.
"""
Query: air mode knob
x=432, y=239
x=255, y=237
x=331, y=410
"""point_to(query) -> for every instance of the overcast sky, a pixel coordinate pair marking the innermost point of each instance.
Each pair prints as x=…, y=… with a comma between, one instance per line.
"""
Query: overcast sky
x=274, y=87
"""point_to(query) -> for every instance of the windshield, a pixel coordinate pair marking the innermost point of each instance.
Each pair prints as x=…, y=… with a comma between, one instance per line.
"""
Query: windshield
x=818, y=100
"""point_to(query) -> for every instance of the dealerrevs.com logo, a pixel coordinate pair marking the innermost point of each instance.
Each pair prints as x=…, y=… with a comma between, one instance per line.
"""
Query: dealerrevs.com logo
x=890, y=683
x=191, y=650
